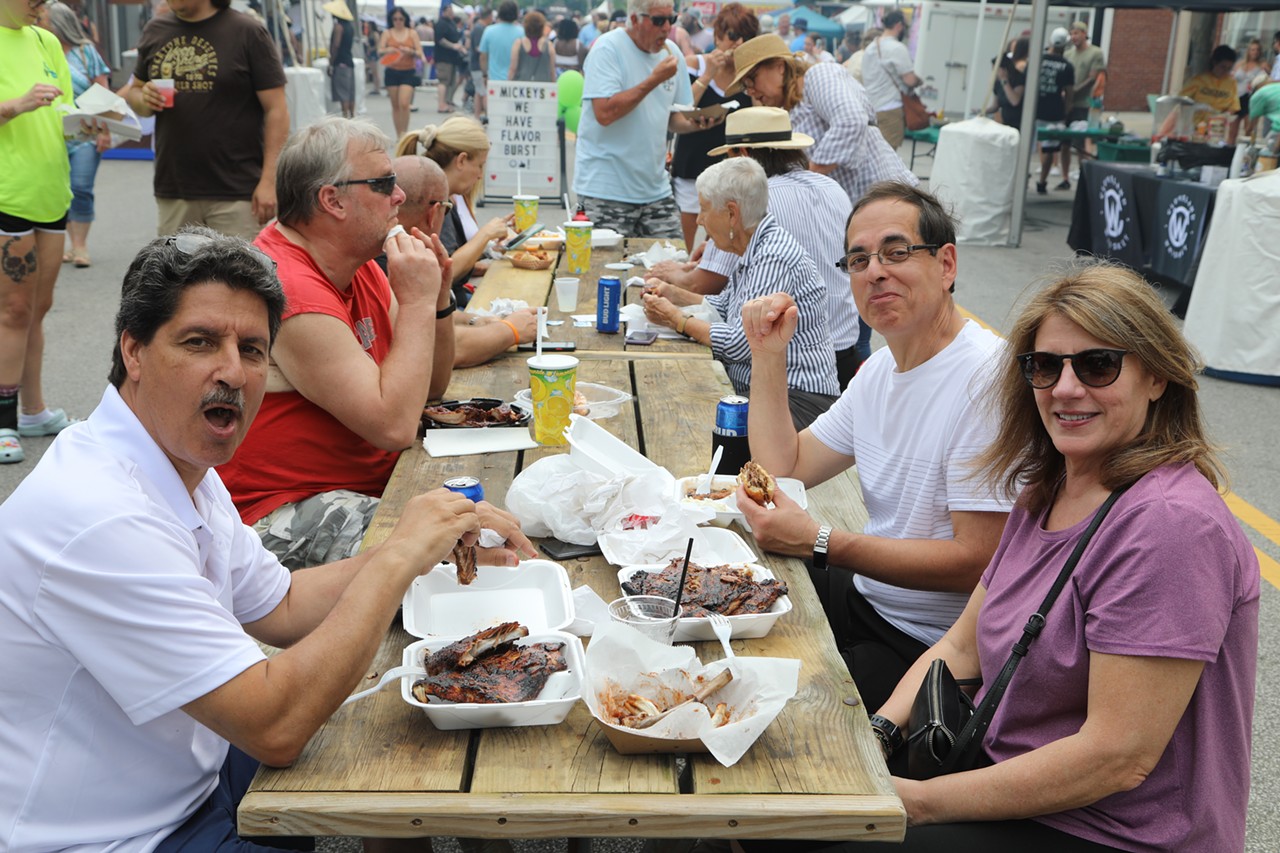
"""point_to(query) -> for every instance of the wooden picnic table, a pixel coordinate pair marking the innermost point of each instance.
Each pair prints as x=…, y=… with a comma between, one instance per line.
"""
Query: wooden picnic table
x=504, y=280
x=378, y=768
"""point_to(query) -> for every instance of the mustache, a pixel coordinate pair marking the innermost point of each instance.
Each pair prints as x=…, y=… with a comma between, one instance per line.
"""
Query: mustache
x=223, y=396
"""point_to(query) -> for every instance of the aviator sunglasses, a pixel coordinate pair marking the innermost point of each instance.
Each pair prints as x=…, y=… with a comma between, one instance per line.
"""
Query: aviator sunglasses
x=385, y=185
x=1096, y=368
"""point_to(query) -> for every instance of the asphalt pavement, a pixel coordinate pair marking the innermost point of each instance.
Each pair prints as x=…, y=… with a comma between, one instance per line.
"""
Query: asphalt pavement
x=992, y=280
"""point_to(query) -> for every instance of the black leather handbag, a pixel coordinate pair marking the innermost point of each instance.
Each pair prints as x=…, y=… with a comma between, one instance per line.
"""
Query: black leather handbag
x=946, y=730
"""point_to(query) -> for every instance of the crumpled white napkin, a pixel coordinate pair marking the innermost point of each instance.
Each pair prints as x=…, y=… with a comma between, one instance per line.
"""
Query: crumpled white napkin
x=657, y=253
x=589, y=610
x=501, y=307
x=633, y=316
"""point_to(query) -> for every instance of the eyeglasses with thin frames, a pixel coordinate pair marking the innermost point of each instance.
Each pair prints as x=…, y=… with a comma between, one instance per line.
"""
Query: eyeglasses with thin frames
x=1096, y=368
x=384, y=185
x=190, y=244
x=894, y=253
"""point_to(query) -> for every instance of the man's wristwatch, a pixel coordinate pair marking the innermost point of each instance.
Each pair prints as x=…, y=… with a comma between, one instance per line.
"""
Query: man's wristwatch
x=450, y=308
x=888, y=733
x=820, y=547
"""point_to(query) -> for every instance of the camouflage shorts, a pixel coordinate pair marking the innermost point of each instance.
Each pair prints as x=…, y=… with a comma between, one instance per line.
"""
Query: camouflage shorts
x=660, y=218
x=320, y=529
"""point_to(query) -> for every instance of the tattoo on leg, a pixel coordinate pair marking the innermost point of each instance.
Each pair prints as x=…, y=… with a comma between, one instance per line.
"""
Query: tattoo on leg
x=16, y=267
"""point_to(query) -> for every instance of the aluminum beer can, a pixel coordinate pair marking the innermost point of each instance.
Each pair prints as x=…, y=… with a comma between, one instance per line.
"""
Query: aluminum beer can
x=731, y=416
x=468, y=487
x=608, y=301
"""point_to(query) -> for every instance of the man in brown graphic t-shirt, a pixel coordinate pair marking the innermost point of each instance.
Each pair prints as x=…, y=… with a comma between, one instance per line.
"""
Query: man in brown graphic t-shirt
x=218, y=137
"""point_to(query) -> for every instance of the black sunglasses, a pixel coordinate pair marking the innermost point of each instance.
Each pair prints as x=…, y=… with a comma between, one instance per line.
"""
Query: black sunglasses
x=1096, y=368
x=191, y=244
x=385, y=185
x=659, y=20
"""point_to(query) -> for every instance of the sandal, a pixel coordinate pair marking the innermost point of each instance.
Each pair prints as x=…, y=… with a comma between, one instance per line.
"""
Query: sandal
x=52, y=425
x=66, y=257
x=80, y=259
x=10, y=447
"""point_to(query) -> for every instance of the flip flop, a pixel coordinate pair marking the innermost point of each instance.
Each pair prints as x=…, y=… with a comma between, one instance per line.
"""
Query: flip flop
x=66, y=257
x=80, y=259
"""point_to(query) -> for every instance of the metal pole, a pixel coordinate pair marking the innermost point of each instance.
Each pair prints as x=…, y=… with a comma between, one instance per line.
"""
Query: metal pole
x=970, y=107
x=1168, y=56
x=1026, y=139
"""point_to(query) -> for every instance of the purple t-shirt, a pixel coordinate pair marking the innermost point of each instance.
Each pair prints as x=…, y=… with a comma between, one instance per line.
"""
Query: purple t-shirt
x=1168, y=574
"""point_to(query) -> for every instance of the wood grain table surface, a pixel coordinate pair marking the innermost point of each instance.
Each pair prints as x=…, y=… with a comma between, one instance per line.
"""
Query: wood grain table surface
x=378, y=768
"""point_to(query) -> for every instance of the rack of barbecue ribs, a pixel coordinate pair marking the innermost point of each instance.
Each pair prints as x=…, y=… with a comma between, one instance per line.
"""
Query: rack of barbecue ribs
x=467, y=414
x=731, y=590
x=464, y=557
x=488, y=667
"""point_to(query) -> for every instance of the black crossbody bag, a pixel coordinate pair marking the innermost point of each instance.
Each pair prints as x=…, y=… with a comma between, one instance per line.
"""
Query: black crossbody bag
x=946, y=730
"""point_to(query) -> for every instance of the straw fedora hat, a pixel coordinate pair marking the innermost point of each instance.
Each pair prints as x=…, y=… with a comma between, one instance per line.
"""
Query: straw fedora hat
x=750, y=54
x=339, y=9
x=760, y=127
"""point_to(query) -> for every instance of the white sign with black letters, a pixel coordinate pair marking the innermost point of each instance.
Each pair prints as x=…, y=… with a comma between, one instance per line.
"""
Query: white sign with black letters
x=522, y=140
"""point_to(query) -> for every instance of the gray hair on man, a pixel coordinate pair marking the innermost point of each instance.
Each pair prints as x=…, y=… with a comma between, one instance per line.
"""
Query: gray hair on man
x=644, y=7
x=317, y=156
x=740, y=180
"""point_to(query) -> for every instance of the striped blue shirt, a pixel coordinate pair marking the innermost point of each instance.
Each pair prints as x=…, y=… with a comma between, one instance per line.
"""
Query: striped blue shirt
x=836, y=113
x=775, y=262
x=813, y=209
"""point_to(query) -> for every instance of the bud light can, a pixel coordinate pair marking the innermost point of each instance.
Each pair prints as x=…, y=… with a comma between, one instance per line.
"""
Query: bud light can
x=608, y=301
x=730, y=432
x=468, y=487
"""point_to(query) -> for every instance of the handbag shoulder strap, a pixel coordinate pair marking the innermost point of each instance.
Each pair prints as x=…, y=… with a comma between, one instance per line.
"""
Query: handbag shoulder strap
x=976, y=727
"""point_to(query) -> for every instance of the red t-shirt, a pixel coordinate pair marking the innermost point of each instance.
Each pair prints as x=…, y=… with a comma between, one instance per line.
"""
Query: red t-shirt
x=295, y=449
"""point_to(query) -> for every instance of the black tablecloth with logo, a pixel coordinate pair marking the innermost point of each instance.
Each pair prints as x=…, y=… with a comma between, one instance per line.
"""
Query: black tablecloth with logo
x=1154, y=225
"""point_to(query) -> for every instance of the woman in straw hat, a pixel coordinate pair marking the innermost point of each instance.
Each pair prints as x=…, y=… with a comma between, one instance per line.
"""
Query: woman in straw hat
x=342, y=66
x=826, y=103
x=734, y=197
x=810, y=207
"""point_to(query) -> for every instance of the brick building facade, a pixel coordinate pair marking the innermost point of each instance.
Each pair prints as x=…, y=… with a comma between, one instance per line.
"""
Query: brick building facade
x=1136, y=59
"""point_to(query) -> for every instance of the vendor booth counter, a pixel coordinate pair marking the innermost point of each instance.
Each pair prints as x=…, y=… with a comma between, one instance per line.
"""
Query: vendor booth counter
x=1154, y=225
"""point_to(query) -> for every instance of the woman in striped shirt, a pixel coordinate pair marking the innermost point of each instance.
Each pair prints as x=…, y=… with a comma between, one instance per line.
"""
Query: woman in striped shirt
x=733, y=197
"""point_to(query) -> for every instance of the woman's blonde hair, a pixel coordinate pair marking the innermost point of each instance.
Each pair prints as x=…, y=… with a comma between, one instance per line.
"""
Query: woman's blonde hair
x=1117, y=306
x=455, y=135
x=794, y=68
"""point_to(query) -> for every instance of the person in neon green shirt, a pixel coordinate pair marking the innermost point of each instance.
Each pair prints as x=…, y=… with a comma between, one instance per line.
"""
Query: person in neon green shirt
x=35, y=193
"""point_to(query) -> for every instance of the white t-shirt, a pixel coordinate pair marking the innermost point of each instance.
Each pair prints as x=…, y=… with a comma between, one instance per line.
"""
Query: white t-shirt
x=913, y=435
x=884, y=64
x=626, y=161
x=121, y=600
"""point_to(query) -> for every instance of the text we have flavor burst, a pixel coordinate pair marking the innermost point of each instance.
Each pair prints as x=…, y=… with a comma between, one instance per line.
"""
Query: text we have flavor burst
x=524, y=154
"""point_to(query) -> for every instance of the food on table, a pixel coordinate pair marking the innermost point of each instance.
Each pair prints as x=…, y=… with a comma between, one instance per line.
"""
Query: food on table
x=462, y=653
x=580, y=405
x=731, y=590
x=464, y=557
x=636, y=521
x=633, y=710
x=466, y=414
x=488, y=668
x=693, y=494
x=531, y=258
x=757, y=482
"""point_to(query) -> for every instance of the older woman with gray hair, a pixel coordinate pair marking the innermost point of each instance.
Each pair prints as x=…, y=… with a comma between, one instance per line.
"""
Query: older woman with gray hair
x=734, y=198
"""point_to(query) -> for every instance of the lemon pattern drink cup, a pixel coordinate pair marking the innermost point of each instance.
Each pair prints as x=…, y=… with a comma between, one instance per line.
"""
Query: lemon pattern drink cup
x=577, y=247
x=526, y=207
x=552, y=381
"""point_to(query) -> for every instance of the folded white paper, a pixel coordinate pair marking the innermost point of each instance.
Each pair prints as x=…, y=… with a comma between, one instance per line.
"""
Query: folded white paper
x=466, y=442
x=100, y=104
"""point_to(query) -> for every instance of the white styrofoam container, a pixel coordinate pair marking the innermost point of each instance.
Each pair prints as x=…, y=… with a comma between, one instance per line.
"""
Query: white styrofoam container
x=712, y=546
x=553, y=704
x=748, y=626
x=594, y=448
x=535, y=593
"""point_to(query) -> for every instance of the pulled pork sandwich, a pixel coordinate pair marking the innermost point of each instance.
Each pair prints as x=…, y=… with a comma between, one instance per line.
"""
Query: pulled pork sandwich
x=757, y=482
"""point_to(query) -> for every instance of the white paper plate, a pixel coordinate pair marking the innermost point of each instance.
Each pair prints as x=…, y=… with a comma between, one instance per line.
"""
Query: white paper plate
x=535, y=593
x=553, y=704
x=749, y=626
x=711, y=546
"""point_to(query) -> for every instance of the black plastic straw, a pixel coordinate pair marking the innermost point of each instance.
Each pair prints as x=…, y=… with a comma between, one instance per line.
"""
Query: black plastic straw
x=688, y=552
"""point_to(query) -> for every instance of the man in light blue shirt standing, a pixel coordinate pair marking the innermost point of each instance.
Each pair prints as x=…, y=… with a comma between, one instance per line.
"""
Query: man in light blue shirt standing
x=633, y=78
x=495, y=44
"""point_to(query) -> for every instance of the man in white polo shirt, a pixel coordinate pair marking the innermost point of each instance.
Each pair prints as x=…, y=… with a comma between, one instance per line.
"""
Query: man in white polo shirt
x=887, y=72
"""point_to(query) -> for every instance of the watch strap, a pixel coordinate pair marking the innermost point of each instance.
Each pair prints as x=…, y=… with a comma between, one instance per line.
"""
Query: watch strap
x=888, y=733
x=450, y=308
x=820, y=547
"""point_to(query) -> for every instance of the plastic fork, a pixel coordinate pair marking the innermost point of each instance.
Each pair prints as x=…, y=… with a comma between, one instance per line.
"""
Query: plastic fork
x=720, y=625
x=393, y=674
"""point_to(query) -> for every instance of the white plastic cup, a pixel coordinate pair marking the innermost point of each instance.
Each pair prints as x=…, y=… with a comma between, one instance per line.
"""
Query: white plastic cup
x=167, y=90
x=651, y=615
x=567, y=294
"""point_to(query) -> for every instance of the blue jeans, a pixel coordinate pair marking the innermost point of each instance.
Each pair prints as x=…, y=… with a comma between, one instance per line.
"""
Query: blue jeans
x=212, y=828
x=84, y=158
